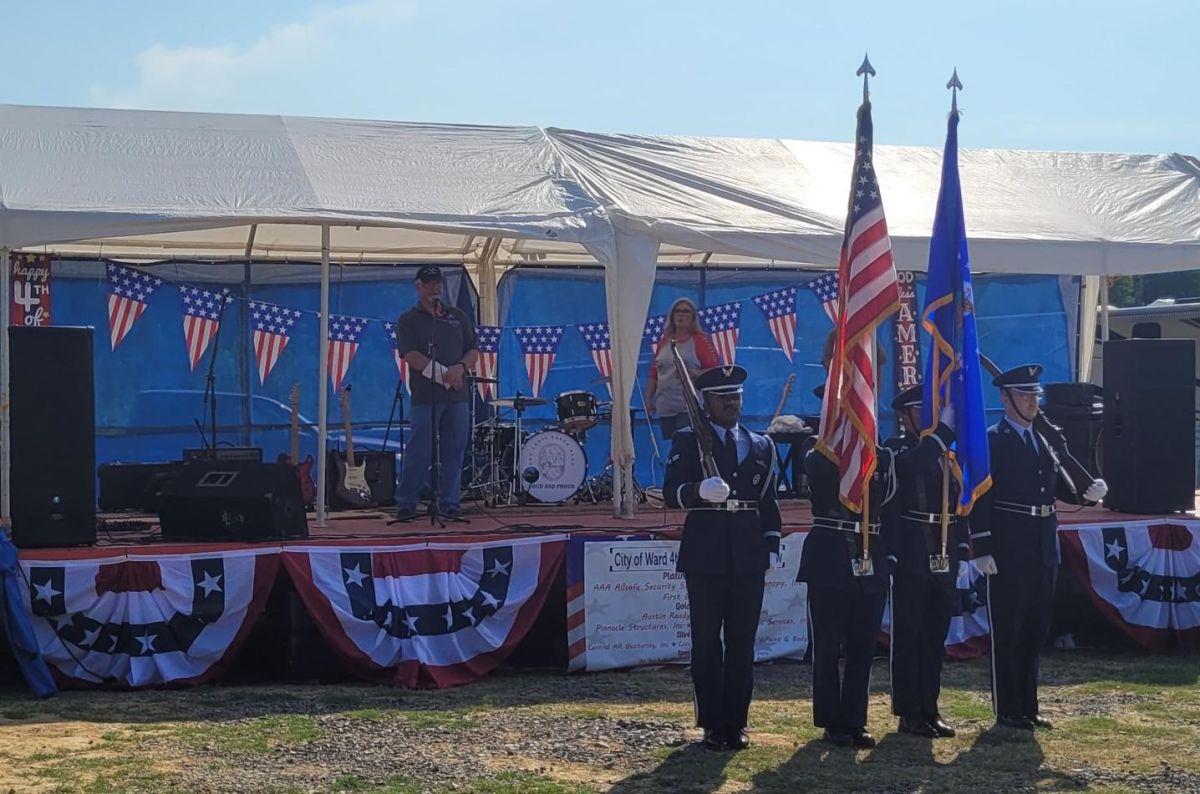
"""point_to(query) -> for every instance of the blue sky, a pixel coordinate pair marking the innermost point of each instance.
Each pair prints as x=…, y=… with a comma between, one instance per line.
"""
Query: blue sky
x=1096, y=76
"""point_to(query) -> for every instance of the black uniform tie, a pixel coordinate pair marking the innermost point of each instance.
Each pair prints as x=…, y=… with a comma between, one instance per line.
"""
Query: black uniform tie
x=729, y=457
x=1029, y=443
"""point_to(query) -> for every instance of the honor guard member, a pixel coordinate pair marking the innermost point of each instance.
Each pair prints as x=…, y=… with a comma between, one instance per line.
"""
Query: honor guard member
x=923, y=583
x=730, y=535
x=844, y=610
x=1014, y=531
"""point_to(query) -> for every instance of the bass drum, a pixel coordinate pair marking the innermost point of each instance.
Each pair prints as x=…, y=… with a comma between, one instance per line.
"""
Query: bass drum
x=560, y=465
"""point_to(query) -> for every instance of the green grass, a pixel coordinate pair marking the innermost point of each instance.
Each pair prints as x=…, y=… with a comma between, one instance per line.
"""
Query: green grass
x=254, y=736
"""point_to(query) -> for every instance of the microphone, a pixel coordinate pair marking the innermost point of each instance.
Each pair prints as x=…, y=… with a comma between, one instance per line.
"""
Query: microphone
x=438, y=309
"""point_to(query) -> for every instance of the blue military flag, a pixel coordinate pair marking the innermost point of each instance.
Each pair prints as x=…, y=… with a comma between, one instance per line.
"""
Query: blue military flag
x=952, y=374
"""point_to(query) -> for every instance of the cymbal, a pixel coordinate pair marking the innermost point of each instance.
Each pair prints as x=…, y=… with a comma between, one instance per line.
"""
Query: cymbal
x=511, y=402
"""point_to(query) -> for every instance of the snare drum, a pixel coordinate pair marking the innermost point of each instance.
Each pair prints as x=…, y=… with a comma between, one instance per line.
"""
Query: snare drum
x=493, y=437
x=577, y=410
x=560, y=463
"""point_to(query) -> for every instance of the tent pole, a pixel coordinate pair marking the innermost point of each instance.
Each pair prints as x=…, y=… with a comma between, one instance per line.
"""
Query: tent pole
x=322, y=378
x=5, y=372
x=1104, y=308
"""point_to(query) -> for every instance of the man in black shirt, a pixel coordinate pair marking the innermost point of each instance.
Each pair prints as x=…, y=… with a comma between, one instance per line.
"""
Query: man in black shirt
x=438, y=342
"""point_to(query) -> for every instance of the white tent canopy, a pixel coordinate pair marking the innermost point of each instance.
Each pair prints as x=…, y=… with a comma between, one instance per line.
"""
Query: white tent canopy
x=155, y=185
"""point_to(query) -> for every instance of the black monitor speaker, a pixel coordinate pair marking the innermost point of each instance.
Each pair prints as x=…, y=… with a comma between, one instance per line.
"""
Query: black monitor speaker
x=1149, y=438
x=232, y=500
x=53, y=415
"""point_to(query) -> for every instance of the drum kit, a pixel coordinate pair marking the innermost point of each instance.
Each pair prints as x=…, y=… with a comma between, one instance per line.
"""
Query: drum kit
x=510, y=464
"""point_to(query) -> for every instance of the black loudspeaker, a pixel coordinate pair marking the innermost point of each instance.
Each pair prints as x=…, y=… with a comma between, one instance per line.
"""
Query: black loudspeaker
x=1149, y=439
x=1078, y=408
x=380, y=472
x=133, y=486
x=53, y=437
x=232, y=500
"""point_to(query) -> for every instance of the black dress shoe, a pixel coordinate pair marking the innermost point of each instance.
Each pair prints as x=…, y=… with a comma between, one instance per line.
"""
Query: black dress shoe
x=941, y=728
x=1018, y=723
x=840, y=738
x=862, y=738
x=714, y=739
x=917, y=727
x=737, y=739
x=1041, y=722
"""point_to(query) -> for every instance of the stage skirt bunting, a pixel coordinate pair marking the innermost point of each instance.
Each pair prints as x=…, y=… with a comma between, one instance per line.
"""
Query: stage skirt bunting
x=141, y=620
x=1144, y=576
x=627, y=607
x=968, y=636
x=425, y=615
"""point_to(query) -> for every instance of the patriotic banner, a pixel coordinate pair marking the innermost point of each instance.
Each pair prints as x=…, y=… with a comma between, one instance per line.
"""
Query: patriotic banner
x=826, y=289
x=202, y=312
x=722, y=322
x=595, y=336
x=489, y=358
x=344, y=333
x=426, y=615
x=780, y=308
x=272, y=326
x=137, y=621
x=30, y=280
x=1144, y=576
x=401, y=365
x=128, y=291
x=539, y=344
x=627, y=606
x=653, y=333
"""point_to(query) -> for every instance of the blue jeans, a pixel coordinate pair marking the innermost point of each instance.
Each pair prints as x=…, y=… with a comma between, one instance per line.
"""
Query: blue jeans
x=453, y=426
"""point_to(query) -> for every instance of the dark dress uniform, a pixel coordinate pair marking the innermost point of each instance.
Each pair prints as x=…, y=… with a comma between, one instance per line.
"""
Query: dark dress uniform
x=1015, y=523
x=922, y=601
x=844, y=610
x=724, y=555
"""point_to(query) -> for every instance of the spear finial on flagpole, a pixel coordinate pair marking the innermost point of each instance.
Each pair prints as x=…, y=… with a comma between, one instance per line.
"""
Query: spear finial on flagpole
x=955, y=85
x=866, y=70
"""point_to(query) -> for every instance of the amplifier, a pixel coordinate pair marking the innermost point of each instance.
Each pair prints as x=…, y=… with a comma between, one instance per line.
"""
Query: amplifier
x=250, y=454
x=133, y=486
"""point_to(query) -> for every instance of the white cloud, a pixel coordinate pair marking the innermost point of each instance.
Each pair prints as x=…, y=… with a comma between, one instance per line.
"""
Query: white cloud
x=229, y=77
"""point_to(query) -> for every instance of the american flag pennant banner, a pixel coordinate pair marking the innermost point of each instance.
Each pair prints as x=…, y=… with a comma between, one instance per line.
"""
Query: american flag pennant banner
x=826, y=289
x=429, y=616
x=140, y=622
x=128, y=291
x=488, y=345
x=202, y=312
x=722, y=323
x=868, y=292
x=539, y=344
x=344, y=333
x=272, y=326
x=780, y=308
x=655, y=327
x=599, y=343
x=401, y=364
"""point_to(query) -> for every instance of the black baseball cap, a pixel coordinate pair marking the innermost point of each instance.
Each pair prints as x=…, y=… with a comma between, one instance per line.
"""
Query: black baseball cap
x=429, y=273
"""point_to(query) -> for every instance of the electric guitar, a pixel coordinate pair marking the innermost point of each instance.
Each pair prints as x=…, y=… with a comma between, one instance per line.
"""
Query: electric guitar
x=308, y=489
x=351, y=483
x=787, y=390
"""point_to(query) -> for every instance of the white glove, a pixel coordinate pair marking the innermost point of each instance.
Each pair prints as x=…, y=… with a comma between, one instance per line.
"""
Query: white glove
x=964, y=569
x=776, y=560
x=714, y=489
x=946, y=415
x=986, y=564
x=1096, y=491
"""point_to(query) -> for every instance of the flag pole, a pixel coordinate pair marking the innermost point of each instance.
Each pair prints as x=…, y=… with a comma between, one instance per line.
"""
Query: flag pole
x=862, y=566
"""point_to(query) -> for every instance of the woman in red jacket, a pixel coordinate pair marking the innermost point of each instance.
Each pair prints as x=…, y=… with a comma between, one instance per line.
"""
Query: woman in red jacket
x=664, y=391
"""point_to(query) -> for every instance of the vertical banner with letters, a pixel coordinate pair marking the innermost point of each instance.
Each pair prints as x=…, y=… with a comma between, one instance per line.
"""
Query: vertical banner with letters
x=627, y=607
x=907, y=346
x=30, y=274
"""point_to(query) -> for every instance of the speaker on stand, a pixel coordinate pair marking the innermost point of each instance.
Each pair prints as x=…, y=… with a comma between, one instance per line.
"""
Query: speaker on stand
x=1078, y=408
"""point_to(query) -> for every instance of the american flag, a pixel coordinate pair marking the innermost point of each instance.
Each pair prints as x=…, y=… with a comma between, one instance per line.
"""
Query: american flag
x=826, y=289
x=128, y=290
x=488, y=345
x=539, y=343
x=272, y=326
x=780, y=308
x=868, y=293
x=401, y=364
x=721, y=322
x=595, y=335
x=654, y=332
x=344, y=333
x=202, y=310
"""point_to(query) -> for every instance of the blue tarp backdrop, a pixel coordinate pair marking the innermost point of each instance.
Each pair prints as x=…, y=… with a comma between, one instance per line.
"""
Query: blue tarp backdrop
x=147, y=398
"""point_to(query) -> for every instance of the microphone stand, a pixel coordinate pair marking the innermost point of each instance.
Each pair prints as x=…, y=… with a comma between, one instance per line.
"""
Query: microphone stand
x=210, y=385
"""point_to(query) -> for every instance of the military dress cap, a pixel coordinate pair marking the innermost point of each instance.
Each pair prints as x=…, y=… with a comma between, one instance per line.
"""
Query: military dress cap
x=910, y=396
x=429, y=273
x=1023, y=378
x=721, y=380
